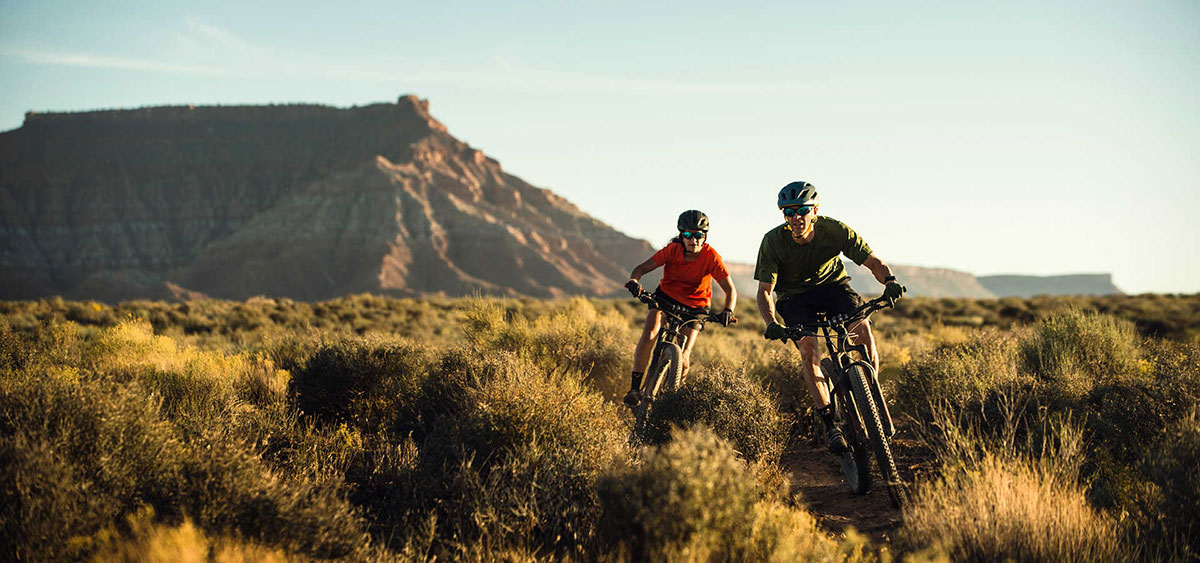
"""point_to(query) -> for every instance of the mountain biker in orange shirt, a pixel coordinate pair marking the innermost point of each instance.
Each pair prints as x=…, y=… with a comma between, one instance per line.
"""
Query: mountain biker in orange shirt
x=690, y=267
x=799, y=261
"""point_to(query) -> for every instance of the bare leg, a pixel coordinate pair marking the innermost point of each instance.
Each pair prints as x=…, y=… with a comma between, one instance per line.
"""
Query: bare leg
x=810, y=364
x=645, y=344
x=861, y=332
x=691, y=335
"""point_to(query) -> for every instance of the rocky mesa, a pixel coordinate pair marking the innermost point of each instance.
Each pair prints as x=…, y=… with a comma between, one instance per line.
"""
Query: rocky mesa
x=313, y=202
x=304, y=201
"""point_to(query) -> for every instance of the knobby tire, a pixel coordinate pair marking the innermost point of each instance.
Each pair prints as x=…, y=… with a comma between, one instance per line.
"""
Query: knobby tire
x=663, y=375
x=671, y=357
x=856, y=460
x=865, y=400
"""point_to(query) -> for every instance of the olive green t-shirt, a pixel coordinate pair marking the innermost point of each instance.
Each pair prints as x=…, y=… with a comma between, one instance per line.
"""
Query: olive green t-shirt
x=796, y=268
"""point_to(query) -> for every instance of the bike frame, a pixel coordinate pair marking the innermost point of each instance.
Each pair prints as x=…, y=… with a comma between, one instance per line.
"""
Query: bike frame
x=836, y=334
x=671, y=330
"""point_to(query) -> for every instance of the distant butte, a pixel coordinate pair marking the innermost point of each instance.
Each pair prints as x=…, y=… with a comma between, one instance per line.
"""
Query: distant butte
x=302, y=201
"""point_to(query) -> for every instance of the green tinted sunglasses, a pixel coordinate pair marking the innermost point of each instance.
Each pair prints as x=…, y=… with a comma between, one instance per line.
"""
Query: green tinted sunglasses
x=802, y=210
x=692, y=234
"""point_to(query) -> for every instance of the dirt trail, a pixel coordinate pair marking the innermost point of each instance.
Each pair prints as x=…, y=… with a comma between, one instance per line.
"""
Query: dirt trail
x=818, y=482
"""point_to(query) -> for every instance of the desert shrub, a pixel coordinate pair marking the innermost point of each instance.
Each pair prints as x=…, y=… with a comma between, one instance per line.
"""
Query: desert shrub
x=291, y=350
x=143, y=539
x=77, y=454
x=1125, y=421
x=575, y=338
x=1172, y=466
x=195, y=385
x=48, y=345
x=16, y=352
x=1077, y=349
x=1006, y=494
x=372, y=384
x=1006, y=510
x=73, y=457
x=960, y=374
x=528, y=448
x=727, y=401
x=693, y=499
x=781, y=374
x=501, y=457
x=1123, y=395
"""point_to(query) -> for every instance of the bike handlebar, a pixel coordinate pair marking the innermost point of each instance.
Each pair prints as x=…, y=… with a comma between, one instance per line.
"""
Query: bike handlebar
x=673, y=310
x=862, y=312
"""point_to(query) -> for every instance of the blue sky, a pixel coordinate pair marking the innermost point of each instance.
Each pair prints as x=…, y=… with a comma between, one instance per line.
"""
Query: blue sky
x=1028, y=137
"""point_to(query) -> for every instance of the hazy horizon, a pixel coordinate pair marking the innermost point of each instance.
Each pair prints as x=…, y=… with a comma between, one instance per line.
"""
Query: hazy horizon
x=1029, y=138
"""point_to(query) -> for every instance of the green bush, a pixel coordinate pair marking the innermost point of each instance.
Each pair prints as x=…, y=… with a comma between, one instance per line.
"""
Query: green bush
x=729, y=403
x=1078, y=349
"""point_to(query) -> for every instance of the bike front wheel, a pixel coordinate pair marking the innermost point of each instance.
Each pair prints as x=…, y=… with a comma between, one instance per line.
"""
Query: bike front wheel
x=671, y=359
x=856, y=460
x=860, y=385
x=663, y=375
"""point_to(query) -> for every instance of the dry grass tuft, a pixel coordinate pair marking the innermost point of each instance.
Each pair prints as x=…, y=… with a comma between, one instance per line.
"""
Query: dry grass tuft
x=1004, y=509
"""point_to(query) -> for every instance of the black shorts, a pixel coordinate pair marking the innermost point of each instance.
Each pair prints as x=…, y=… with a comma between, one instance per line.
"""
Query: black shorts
x=834, y=299
x=687, y=312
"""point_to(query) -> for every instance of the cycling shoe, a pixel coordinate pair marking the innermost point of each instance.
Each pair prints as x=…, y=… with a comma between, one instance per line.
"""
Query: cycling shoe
x=632, y=398
x=837, y=442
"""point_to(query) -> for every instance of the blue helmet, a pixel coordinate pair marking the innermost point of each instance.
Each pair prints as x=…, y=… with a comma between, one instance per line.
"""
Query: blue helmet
x=798, y=193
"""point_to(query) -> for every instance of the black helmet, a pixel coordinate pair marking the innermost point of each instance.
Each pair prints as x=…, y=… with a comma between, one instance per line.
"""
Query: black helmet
x=798, y=193
x=692, y=220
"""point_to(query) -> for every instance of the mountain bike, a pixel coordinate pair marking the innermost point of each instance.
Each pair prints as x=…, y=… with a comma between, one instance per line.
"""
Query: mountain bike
x=666, y=362
x=858, y=404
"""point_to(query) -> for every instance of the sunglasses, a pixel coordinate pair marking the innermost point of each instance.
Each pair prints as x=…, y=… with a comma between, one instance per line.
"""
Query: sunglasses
x=692, y=234
x=802, y=210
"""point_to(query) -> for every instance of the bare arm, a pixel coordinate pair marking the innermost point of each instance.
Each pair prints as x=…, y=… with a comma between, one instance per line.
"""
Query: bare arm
x=878, y=268
x=726, y=285
x=766, y=306
x=642, y=269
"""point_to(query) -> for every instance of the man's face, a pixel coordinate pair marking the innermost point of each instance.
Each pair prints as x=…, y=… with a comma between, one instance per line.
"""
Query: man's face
x=800, y=218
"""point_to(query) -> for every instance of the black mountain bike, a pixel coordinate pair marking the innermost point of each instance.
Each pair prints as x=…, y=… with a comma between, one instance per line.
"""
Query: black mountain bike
x=666, y=363
x=858, y=404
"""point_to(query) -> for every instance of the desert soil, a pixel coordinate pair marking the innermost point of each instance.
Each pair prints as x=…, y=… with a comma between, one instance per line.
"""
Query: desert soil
x=818, y=484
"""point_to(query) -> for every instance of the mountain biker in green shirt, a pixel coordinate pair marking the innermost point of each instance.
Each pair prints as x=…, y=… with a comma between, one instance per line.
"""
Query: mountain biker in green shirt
x=799, y=261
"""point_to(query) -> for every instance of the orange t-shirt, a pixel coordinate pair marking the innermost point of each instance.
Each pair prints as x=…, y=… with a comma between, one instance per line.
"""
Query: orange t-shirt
x=689, y=283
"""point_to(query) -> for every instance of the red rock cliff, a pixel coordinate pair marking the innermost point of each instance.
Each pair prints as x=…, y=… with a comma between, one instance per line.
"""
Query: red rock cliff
x=303, y=201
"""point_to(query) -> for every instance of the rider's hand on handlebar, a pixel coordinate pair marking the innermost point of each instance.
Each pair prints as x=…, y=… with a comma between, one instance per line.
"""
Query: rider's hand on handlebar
x=726, y=317
x=634, y=287
x=775, y=331
x=893, y=291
